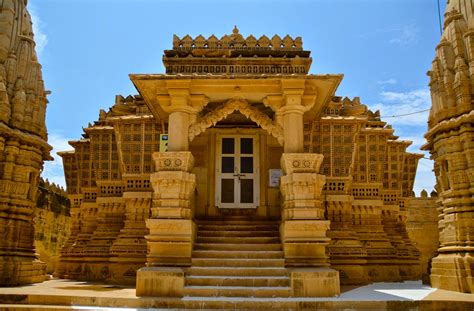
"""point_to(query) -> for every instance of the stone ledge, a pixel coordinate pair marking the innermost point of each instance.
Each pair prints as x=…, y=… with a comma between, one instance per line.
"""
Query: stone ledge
x=314, y=282
x=160, y=282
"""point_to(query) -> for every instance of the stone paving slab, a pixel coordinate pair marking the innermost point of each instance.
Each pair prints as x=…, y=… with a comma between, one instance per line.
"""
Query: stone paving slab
x=73, y=295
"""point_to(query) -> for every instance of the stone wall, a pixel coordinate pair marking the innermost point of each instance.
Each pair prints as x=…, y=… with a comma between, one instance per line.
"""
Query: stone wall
x=52, y=223
x=422, y=227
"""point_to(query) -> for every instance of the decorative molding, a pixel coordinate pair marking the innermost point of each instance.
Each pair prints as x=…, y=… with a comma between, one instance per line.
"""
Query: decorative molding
x=173, y=161
x=234, y=104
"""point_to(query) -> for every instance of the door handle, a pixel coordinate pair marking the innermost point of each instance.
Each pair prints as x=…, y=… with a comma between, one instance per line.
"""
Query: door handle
x=239, y=175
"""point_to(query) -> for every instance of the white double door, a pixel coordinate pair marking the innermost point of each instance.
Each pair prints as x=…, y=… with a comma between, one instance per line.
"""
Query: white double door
x=237, y=171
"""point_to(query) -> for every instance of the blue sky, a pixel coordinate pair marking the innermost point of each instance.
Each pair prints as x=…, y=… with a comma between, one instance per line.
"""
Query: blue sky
x=88, y=47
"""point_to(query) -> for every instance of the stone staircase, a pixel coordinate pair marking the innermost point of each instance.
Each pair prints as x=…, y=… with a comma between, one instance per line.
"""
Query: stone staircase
x=237, y=257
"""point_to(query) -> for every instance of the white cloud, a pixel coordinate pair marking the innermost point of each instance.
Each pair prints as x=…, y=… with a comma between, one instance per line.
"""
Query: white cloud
x=388, y=81
x=53, y=170
x=41, y=38
x=396, y=107
x=418, y=141
x=399, y=34
x=405, y=35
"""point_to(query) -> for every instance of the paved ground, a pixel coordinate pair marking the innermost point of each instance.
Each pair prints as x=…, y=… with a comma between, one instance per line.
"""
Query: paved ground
x=66, y=294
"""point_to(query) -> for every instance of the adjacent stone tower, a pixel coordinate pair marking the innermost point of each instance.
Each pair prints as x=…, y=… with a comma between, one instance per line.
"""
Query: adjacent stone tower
x=23, y=146
x=451, y=144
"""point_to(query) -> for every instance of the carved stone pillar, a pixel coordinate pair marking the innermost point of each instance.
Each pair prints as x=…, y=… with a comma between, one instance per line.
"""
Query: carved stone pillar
x=172, y=229
x=178, y=131
x=182, y=108
x=303, y=228
x=291, y=115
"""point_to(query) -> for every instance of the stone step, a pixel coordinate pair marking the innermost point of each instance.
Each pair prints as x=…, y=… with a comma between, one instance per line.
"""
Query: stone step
x=236, y=291
x=227, y=227
x=238, y=240
x=235, y=247
x=236, y=254
x=239, y=222
x=236, y=233
x=237, y=262
x=202, y=280
x=237, y=271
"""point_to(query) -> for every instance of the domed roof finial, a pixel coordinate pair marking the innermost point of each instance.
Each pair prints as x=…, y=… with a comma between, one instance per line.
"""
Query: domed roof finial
x=235, y=30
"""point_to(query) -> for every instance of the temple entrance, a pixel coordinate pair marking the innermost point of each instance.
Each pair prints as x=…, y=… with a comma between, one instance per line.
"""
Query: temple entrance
x=237, y=178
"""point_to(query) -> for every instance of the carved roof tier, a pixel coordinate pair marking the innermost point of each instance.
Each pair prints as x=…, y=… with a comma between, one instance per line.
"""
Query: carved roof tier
x=231, y=53
x=236, y=41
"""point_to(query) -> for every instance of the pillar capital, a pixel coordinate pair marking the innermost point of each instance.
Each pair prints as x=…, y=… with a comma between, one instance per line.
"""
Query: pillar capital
x=182, y=108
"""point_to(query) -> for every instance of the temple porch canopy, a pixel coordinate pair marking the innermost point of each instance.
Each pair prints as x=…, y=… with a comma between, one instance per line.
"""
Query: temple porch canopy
x=181, y=99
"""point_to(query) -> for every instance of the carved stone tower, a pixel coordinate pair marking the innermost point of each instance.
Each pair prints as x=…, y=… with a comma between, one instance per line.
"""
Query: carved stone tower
x=451, y=144
x=23, y=146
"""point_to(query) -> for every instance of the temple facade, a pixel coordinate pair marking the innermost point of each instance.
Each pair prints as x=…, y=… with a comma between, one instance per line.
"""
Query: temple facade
x=238, y=173
x=450, y=139
x=23, y=145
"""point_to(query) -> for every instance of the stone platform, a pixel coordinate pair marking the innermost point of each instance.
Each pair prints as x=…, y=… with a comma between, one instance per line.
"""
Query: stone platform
x=68, y=295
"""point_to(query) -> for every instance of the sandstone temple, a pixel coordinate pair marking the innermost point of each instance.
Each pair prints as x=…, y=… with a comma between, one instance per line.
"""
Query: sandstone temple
x=236, y=173
x=238, y=168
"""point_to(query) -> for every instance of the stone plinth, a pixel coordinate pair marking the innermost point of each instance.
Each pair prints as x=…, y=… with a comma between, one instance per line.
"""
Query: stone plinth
x=129, y=249
x=170, y=242
x=407, y=255
x=304, y=242
x=66, y=257
x=314, y=282
x=453, y=271
x=160, y=282
x=346, y=252
x=381, y=254
x=97, y=254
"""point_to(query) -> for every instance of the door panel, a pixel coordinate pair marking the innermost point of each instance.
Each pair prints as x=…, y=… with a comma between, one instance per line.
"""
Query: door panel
x=237, y=171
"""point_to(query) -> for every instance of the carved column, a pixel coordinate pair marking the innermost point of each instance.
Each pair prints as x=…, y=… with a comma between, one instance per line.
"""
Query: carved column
x=291, y=115
x=171, y=224
x=172, y=229
x=303, y=227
